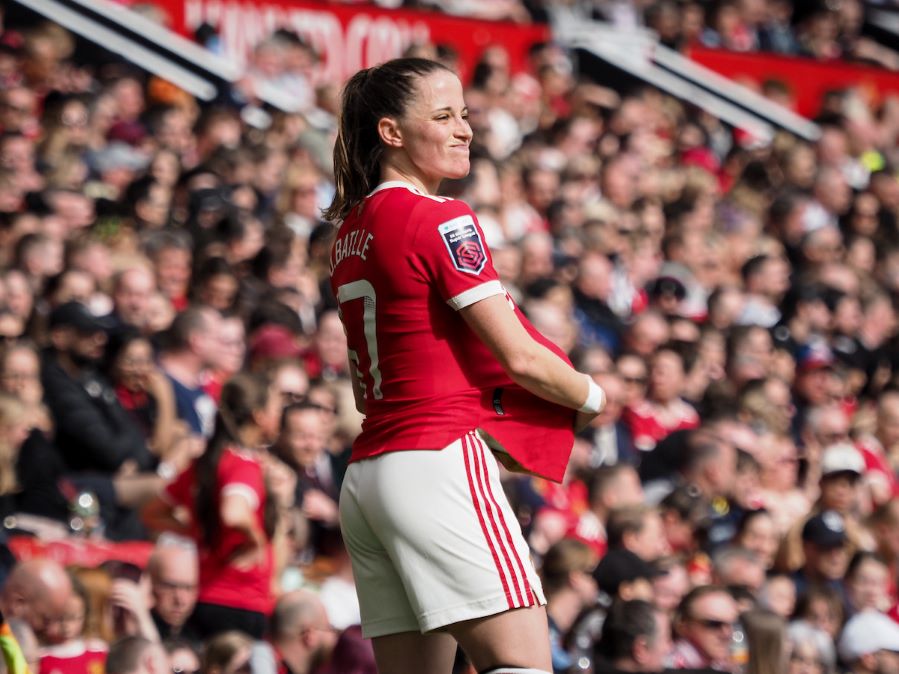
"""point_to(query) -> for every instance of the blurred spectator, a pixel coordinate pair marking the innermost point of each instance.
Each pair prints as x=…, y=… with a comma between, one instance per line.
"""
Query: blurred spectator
x=826, y=554
x=570, y=588
x=192, y=346
x=741, y=571
x=704, y=629
x=37, y=592
x=93, y=429
x=302, y=640
x=173, y=573
x=637, y=529
x=766, y=636
x=74, y=650
x=612, y=487
x=147, y=395
x=664, y=410
x=636, y=638
x=870, y=643
x=227, y=653
x=867, y=583
x=137, y=655
x=811, y=650
x=131, y=294
x=182, y=656
x=302, y=445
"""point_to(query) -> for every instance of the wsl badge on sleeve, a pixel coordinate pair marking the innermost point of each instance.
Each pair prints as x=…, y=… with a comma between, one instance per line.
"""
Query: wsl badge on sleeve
x=463, y=241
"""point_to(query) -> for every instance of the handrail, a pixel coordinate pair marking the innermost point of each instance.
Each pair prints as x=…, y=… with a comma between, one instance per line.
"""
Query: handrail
x=744, y=96
x=627, y=52
x=124, y=46
x=170, y=40
x=639, y=53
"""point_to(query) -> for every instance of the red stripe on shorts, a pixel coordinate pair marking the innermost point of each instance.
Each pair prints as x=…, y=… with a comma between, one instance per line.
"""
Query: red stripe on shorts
x=524, y=577
x=474, y=499
x=481, y=471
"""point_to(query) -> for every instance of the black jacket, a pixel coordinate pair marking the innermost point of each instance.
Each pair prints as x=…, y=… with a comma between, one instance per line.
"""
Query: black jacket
x=93, y=430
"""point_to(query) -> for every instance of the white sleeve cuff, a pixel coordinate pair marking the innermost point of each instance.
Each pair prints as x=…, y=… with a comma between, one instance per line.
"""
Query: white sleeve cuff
x=476, y=294
x=244, y=491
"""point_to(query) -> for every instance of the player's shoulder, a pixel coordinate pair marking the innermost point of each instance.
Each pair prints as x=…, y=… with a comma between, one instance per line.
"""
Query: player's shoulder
x=424, y=207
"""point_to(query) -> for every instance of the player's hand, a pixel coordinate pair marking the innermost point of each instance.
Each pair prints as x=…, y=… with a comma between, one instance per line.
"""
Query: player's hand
x=583, y=419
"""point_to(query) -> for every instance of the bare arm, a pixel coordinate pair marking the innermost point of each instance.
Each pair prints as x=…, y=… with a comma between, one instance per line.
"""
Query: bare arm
x=166, y=416
x=235, y=511
x=530, y=364
x=158, y=515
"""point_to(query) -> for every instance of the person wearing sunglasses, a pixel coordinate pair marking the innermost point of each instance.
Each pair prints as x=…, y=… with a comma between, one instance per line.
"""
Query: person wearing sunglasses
x=704, y=629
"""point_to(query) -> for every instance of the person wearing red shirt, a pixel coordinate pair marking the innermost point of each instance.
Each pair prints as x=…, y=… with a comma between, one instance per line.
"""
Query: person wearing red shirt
x=232, y=512
x=663, y=411
x=441, y=362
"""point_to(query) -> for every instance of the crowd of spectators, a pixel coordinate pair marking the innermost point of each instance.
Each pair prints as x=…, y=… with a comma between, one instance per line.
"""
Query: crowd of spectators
x=732, y=507
x=817, y=29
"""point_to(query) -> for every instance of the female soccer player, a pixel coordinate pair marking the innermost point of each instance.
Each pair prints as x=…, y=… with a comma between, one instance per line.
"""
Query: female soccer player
x=442, y=363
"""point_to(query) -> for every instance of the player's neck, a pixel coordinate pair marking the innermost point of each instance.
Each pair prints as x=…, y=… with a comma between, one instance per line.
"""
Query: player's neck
x=397, y=173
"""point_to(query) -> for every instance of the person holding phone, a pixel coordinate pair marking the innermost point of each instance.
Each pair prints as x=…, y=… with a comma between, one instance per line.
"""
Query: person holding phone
x=446, y=370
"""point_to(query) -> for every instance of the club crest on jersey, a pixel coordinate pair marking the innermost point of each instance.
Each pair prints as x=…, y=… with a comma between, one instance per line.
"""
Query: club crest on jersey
x=463, y=241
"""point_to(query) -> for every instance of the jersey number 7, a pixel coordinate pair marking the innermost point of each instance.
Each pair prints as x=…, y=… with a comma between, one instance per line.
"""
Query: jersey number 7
x=363, y=290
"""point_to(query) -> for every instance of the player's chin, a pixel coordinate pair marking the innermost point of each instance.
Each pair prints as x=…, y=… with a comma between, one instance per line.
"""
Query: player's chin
x=459, y=169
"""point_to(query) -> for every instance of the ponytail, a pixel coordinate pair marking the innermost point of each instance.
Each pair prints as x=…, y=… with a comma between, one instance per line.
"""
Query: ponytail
x=242, y=395
x=369, y=96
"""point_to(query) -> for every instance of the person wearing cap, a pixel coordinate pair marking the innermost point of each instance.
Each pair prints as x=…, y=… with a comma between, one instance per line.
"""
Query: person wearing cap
x=93, y=430
x=824, y=544
x=841, y=469
x=812, y=386
x=869, y=644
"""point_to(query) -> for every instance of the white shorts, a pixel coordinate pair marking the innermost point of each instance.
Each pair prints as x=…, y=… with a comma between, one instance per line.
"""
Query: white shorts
x=433, y=539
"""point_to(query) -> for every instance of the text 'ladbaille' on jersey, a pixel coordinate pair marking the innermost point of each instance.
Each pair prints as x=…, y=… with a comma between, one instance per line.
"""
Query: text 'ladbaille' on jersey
x=352, y=243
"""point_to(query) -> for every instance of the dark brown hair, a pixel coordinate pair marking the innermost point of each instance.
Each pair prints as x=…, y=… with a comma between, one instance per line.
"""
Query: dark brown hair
x=242, y=395
x=369, y=96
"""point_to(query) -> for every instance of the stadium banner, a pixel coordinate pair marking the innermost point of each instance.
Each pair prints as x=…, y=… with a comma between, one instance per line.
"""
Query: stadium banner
x=808, y=80
x=348, y=37
x=80, y=551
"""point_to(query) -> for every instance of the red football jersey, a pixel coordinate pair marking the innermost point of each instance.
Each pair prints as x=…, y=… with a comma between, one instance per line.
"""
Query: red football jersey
x=221, y=582
x=402, y=265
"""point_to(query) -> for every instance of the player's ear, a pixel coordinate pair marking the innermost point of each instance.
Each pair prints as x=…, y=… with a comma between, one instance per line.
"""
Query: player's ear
x=389, y=132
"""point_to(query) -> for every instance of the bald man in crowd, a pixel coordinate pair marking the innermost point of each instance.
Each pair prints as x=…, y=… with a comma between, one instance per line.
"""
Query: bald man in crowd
x=37, y=592
x=174, y=574
x=302, y=639
x=132, y=290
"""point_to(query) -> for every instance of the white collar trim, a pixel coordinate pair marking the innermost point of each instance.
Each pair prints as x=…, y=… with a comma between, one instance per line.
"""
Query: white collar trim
x=390, y=184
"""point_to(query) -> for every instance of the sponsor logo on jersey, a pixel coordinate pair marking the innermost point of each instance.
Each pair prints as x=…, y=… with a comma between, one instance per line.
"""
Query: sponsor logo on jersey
x=463, y=242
